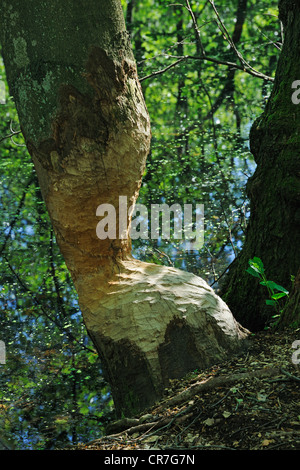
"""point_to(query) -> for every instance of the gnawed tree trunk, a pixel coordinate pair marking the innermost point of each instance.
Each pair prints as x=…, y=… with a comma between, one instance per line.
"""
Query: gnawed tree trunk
x=71, y=71
x=274, y=190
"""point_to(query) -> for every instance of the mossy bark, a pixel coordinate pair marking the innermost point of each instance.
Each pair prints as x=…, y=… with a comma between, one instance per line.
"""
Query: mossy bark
x=274, y=190
x=290, y=316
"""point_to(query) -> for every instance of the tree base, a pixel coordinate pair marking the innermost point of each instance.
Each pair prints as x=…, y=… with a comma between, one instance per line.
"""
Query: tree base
x=155, y=323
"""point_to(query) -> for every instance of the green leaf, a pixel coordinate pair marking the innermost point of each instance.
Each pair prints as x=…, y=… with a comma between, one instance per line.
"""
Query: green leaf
x=256, y=268
x=279, y=295
x=257, y=265
x=253, y=272
x=270, y=302
x=272, y=285
x=84, y=410
x=259, y=262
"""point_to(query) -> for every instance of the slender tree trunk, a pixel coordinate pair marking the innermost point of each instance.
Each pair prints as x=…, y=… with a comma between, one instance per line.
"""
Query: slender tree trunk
x=274, y=190
x=71, y=71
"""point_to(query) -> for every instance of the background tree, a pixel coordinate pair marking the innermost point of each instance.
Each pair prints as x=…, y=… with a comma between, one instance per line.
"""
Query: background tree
x=274, y=227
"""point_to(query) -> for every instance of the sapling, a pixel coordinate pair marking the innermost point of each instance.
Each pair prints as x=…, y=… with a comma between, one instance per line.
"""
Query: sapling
x=275, y=291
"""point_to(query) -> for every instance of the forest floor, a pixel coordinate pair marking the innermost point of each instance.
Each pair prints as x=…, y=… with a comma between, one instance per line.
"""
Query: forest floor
x=250, y=402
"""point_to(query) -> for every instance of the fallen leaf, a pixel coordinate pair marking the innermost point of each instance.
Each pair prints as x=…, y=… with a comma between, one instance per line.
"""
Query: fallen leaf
x=266, y=442
x=209, y=421
x=152, y=438
x=261, y=396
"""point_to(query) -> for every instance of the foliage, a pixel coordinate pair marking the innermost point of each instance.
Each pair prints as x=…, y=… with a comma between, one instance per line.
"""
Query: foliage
x=51, y=388
x=275, y=291
x=201, y=114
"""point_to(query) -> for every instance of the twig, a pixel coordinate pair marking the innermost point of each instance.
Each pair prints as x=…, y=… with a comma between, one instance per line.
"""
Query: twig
x=44, y=312
x=250, y=71
x=224, y=272
x=60, y=303
x=290, y=376
x=9, y=136
x=164, y=254
x=197, y=32
x=159, y=72
x=244, y=68
x=227, y=36
x=136, y=426
x=18, y=211
x=213, y=382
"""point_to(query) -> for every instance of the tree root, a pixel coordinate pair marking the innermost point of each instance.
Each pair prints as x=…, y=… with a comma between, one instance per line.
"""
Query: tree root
x=131, y=426
x=214, y=382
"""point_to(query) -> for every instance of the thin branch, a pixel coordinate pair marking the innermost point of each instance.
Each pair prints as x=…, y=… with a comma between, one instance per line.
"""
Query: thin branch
x=250, y=71
x=290, y=376
x=12, y=224
x=159, y=72
x=227, y=36
x=195, y=25
x=164, y=254
x=215, y=382
x=9, y=136
x=38, y=303
x=245, y=65
x=60, y=303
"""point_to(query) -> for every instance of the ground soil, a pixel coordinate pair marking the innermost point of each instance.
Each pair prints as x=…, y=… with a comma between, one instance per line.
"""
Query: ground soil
x=250, y=402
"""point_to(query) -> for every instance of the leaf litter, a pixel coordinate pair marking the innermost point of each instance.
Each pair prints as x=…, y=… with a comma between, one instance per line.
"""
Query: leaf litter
x=250, y=402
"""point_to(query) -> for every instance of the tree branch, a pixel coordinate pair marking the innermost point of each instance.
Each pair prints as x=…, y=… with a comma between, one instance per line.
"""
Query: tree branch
x=196, y=29
x=250, y=71
x=38, y=303
x=213, y=382
x=9, y=136
x=159, y=72
x=12, y=224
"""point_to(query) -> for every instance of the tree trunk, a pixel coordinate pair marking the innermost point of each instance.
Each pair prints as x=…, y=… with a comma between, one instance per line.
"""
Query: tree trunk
x=71, y=71
x=291, y=313
x=274, y=190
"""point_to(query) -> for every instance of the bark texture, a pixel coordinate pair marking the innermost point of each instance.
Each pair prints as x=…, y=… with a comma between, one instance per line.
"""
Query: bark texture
x=151, y=324
x=274, y=190
x=291, y=313
x=71, y=71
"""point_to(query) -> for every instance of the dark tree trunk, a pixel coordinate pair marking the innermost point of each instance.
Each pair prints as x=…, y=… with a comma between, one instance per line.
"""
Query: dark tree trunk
x=274, y=190
x=291, y=313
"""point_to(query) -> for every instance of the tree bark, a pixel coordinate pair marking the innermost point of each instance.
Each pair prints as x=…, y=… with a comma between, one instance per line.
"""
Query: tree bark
x=274, y=190
x=71, y=71
x=290, y=316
